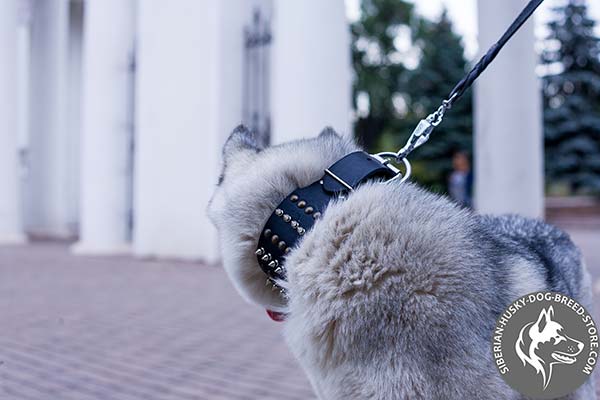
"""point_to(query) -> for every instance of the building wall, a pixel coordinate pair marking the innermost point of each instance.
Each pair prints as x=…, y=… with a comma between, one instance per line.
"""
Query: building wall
x=190, y=78
x=188, y=96
x=231, y=58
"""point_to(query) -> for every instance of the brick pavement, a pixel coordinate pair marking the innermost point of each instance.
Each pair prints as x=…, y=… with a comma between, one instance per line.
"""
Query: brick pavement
x=81, y=328
x=78, y=328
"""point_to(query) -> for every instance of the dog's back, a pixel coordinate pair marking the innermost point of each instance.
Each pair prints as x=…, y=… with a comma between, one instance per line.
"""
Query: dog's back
x=550, y=250
x=395, y=293
x=393, y=296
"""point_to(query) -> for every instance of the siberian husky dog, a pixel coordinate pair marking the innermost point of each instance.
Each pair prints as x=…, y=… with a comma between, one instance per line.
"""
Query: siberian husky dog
x=394, y=292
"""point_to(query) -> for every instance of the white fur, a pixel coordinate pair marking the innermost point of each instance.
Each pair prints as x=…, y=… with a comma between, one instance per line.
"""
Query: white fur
x=255, y=183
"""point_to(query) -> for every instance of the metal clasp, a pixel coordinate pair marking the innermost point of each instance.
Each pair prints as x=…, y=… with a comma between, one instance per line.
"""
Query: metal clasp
x=386, y=158
x=424, y=129
x=418, y=138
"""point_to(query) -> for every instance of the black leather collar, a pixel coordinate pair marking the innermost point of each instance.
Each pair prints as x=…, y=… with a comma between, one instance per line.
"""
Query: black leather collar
x=297, y=213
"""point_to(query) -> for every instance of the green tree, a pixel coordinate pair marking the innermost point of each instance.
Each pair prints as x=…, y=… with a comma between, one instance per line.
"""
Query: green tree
x=400, y=96
x=442, y=66
x=571, y=60
x=377, y=65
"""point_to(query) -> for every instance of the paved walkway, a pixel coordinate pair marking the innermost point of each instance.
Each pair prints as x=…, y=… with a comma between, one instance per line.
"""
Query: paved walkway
x=80, y=328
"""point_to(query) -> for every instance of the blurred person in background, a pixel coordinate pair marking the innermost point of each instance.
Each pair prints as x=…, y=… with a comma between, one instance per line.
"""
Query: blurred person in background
x=460, y=181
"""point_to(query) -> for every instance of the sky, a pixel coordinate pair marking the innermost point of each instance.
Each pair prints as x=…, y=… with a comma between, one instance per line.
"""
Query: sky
x=464, y=15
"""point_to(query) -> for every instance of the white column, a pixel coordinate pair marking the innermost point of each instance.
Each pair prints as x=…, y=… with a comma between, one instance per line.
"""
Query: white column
x=177, y=127
x=48, y=174
x=74, y=110
x=108, y=49
x=311, y=69
x=509, y=142
x=10, y=209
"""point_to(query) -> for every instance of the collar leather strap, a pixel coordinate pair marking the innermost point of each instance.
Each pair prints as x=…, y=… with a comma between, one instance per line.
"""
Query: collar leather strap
x=297, y=213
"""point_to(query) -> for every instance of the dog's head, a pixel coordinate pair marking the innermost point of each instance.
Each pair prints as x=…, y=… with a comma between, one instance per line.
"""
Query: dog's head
x=544, y=343
x=253, y=182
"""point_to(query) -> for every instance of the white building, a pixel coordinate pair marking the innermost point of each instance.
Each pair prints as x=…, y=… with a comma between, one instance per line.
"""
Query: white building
x=113, y=112
x=122, y=108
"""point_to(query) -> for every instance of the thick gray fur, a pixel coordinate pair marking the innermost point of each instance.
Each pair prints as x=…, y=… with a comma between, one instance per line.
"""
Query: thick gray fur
x=395, y=291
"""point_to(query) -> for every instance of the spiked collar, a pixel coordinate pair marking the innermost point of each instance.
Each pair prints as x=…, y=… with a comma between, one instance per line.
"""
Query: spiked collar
x=299, y=211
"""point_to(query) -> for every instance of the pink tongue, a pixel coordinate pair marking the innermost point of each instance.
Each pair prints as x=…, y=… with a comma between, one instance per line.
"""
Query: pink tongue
x=276, y=316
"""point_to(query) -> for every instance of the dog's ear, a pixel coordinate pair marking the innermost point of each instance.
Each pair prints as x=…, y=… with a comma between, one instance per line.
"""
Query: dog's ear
x=543, y=319
x=240, y=140
x=329, y=132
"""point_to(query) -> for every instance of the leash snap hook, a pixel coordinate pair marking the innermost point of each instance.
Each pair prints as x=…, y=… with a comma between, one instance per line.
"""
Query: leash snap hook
x=424, y=129
x=418, y=138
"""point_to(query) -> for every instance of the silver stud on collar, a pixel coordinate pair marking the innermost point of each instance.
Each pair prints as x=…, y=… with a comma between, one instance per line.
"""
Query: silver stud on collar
x=301, y=231
x=282, y=245
x=301, y=204
x=267, y=233
x=275, y=239
x=287, y=218
x=295, y=224
x=279, y=212
x=260, y=252
x=266, y=257
x=294, y=198
x=317, y=215
x=309, y=210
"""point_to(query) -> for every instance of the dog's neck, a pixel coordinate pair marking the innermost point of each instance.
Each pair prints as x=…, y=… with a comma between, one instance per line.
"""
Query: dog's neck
x=299, y=211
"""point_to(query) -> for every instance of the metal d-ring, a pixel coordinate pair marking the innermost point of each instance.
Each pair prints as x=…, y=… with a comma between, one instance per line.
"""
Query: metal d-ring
x=387, y=157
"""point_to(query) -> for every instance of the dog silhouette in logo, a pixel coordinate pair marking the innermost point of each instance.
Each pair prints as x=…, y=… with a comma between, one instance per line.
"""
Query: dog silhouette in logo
x=544, y=343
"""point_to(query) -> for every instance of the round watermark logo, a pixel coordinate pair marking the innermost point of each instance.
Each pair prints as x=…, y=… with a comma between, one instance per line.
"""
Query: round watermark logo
x=545, y=345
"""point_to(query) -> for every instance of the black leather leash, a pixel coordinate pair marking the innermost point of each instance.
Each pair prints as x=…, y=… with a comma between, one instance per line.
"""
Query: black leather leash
x=492, y=53
x=299, y=211
x=425, y=127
